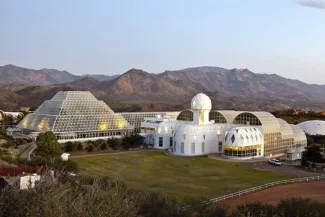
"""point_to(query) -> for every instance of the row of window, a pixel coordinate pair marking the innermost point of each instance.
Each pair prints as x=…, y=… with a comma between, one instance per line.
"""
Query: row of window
x=240, y=153
x=161, y=141
x=192, y=147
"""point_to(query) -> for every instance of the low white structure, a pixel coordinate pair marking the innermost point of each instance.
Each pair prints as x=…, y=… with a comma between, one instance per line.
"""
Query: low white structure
x=65, y=156
x=14, y=115
x=295, y=154
x=315, y=127
x=28, y=181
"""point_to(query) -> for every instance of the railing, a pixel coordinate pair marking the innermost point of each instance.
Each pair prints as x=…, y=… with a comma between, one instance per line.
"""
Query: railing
x=257, y=188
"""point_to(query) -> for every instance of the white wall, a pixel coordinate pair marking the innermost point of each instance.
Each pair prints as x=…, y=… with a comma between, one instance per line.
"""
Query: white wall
x=195, y=134
x=28, y=181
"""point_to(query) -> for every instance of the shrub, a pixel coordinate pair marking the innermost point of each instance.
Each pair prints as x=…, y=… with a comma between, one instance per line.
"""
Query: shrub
x=90, y=148
x=103, y=146
x=70, y=146
x=79, y=146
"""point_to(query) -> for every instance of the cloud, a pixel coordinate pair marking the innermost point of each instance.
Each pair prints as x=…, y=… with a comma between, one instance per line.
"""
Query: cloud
x=320, y=4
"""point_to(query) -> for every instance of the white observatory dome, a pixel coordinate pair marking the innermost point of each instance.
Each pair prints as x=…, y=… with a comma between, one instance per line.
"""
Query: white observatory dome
x=201, y=102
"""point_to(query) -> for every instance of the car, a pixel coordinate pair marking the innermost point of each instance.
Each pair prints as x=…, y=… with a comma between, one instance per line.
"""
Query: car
x=275, y=162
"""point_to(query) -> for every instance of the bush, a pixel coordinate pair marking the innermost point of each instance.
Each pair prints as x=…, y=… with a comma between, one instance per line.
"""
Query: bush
x=132, y=141
x=313, y=165
x=68, y=147
x=90, y=148
x=79, y=146
x=113, y=143
x=103, y=146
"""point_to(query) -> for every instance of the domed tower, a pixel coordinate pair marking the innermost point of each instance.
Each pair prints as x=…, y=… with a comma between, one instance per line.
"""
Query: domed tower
x=201, y=106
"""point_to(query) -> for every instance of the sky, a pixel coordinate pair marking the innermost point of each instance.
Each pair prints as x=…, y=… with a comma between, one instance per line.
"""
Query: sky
x=285, y=37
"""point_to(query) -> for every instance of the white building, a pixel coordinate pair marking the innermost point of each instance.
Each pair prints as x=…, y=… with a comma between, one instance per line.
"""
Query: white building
x=29, y=181
x=237, y=135
x=314, y=127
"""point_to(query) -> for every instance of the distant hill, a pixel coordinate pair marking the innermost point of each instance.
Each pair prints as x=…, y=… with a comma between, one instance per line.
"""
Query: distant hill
x=15, y=74
x=244, y=83
x=9, y=100
x=101, y=77
x=139, y=90
x=136, y=84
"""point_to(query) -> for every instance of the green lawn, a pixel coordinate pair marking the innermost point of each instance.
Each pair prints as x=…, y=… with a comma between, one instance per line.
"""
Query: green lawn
x=193, y=177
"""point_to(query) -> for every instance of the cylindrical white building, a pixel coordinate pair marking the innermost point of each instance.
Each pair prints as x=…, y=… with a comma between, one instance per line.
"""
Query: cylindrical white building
x=243, y=143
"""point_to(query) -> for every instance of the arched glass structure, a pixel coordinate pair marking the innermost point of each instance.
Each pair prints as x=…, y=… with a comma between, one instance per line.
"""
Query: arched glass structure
x=186, y=115
x=299, y=136
x=222, y=116
x=278, y=135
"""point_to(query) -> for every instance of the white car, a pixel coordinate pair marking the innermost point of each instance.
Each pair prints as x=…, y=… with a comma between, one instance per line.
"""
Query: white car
x=275, y=162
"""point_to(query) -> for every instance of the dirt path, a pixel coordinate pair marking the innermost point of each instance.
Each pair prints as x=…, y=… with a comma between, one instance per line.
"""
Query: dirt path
x=314, y=190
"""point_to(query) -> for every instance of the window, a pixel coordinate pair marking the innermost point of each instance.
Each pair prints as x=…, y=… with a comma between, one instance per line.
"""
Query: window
x=174, y=149
x=171, y=141
x=182, y=147
x=193, y=148
x=203, y=148
x=233, y=138
x=220, y=147
x=161, y=141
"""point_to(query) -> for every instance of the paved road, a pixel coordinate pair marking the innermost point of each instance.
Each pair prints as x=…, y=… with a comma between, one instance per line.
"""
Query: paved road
x=26, y=154
x=283, y=169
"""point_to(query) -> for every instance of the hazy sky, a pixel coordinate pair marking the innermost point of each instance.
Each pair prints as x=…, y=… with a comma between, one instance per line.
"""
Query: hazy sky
x=286, y=37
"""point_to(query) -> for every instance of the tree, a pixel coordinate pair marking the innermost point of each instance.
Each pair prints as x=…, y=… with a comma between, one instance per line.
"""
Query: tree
x=8, y=119
x=48, y=145
x=313, y=154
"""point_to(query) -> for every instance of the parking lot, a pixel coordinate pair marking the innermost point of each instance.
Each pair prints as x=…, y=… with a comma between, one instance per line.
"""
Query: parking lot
x=283, y=169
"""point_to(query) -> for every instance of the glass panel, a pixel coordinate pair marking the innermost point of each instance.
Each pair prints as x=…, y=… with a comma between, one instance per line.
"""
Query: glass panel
x=193, y=148
x=182, y=147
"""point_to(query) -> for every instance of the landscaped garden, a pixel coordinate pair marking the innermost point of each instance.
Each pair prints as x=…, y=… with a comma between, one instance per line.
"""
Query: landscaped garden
x=181, y=177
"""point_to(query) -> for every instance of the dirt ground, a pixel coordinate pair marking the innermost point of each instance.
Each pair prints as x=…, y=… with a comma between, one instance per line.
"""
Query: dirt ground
x=314, y=190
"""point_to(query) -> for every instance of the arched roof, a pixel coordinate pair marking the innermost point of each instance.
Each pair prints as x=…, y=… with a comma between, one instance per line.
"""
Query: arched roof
x=299, y=135
x=285, y=128
x=244, y=136
x=268, y=121
x=229, y=115
x=186, y=115
x=315, y=127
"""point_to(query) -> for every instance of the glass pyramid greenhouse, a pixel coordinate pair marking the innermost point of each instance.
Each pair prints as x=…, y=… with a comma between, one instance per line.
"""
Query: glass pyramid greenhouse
x=75, y=115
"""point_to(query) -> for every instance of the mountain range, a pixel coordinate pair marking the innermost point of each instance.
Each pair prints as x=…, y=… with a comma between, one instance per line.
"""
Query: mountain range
x=137, y=90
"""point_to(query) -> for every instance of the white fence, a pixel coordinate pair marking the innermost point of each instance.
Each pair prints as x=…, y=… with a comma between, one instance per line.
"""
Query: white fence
x=257, y=188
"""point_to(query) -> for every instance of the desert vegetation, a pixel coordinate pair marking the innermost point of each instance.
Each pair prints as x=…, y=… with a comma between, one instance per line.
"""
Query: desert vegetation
x=88, y=197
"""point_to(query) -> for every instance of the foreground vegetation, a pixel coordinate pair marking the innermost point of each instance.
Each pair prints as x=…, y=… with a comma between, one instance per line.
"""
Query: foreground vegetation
x=89, y=197
x=181, y=177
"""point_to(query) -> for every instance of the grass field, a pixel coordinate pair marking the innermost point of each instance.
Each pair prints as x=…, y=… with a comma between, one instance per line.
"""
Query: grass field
x=190, y=177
